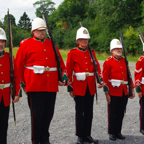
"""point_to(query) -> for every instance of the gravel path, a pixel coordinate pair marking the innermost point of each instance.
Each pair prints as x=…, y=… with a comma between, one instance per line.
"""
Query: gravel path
x=62, y=127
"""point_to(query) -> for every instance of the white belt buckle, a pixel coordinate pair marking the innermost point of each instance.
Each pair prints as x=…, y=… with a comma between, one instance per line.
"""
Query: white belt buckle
x=2, y=86
x=47, y=69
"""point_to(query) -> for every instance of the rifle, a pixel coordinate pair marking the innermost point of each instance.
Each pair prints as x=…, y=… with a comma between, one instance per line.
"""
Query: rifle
x=95, y=66
x=60, y=78
x=12, y=85
x=127, y=67
x=141, y=36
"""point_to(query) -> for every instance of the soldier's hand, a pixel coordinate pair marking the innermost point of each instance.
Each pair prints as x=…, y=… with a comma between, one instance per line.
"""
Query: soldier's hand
x=131, y=97
x=62, y=84
x=16, y=99
x=139, y=95
x=108, y=98
x=71, y=94
x=100, y=86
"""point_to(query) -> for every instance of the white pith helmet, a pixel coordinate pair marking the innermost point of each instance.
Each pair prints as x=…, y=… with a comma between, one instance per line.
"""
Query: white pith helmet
x=82, y=33
x=115, y=43
x=2, y=34
x=38, y=24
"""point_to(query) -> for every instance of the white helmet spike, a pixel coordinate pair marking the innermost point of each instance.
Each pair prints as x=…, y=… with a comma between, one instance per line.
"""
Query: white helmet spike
x=115, y=43
x=82, y=33
x=2, y=34
x=38, y=24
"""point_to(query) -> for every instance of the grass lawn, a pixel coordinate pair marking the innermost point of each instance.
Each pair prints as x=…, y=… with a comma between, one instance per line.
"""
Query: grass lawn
x=102, y=56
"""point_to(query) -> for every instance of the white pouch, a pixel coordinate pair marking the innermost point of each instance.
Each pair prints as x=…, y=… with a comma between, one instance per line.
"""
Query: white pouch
x=38, y=69
x=142, y=80
x=80, y=76
x=116, y=83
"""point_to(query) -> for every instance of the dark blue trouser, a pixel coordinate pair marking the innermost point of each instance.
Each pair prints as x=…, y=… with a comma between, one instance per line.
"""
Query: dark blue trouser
x=142, y=113
x=42, y=109
x=116, y=110
x=84, y=114
x=4, y=115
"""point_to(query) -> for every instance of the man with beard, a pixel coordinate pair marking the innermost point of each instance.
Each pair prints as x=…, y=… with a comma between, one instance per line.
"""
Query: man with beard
x=39, y=77
x=5, y=87
x=115, y=88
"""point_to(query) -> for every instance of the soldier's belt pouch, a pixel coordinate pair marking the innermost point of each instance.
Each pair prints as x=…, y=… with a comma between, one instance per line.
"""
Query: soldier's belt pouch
x=142, y=80
x=117, y=83
x=80, y=76
x=38, y=69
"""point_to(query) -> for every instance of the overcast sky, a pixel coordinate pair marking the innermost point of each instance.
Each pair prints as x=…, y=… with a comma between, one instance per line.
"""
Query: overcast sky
x=18, y=7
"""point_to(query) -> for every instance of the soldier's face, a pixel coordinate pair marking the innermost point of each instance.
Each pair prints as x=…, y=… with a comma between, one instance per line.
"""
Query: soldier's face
x=39, y=33
x=82, y=43
x=2, y=45
x=117, y=51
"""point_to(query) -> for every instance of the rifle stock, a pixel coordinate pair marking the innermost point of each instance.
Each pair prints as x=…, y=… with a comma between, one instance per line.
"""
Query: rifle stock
x=12, y=85
x=126, y=61
x=54, y=47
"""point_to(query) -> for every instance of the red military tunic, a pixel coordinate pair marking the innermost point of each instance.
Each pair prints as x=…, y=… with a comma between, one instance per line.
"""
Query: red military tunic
x=115, y=69
x=34, y=52
x=79, y=61
x=139, y=75
x=5, y=79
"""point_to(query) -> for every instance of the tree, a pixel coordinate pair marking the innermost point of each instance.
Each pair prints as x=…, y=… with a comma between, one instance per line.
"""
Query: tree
x=48, y=5
x=73, y=11
x=24, y=22
x=117, y=13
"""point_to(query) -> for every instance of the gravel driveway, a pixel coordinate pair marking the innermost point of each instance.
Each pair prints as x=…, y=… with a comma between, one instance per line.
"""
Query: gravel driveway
x=62, y=127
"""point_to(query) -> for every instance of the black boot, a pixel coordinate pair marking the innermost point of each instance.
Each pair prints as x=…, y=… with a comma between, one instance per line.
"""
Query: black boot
x=112, y=137
x=89, y=139
x=79, y=140
x=142, y=131
x=120, y=136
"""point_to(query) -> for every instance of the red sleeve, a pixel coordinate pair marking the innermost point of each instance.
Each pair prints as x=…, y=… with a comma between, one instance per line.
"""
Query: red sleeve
x=69, y=67
x=17, y=80
x=106, y=73
x=20, y=61
x=138, y=75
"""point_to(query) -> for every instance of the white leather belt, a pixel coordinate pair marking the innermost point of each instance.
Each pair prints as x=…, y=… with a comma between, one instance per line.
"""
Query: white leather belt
x=40, y=69
x=82, y=76
x=84, y=73
x=117, y=83
x=2, y=86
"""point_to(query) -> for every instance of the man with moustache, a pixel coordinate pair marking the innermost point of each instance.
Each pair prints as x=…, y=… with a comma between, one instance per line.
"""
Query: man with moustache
x=115, y=88
x=39, y=77
x=82, y=85
x=5, y=87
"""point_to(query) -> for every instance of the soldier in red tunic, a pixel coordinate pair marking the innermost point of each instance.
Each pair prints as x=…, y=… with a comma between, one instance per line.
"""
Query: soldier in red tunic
x=5, y=87
x=39, y=77
x=139, y=85
x=115, y=88
x=82, y=86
